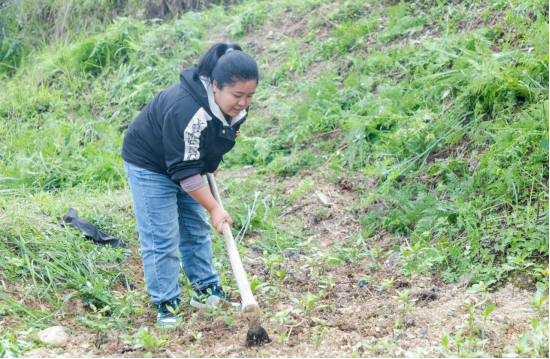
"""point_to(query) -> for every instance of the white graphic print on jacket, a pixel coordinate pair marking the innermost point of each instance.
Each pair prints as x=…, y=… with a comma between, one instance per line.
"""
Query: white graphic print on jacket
x=192, y=134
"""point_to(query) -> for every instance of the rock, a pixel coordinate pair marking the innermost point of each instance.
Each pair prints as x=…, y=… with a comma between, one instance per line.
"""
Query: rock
x=280, y=307
x=53, y=335
x=464, y=280
x=401, y=336
x=473, y=299
x=346, y=311
x=269, y=35
x=323, y=198
x=376, y=329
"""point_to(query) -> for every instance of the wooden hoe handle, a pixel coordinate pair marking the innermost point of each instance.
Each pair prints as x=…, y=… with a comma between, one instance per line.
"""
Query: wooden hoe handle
x=250, y=307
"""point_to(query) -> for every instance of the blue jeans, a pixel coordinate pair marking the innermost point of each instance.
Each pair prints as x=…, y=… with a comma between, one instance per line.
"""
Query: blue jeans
x=167, y=219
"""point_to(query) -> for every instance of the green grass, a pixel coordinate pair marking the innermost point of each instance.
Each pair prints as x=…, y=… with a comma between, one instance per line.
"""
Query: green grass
x=444, y=106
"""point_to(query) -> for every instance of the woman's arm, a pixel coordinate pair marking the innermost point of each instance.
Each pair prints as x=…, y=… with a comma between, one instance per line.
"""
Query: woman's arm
x=217, y=214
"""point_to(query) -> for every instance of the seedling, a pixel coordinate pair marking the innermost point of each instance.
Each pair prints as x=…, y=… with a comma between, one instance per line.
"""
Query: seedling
x=147, y=341
x=320, y=331
x=386, y=283
x=406, y=304
x=536, y=302
x=308, y=307
x=99, y=323
x=283, y=319
x=518, y=265
x=327, y=284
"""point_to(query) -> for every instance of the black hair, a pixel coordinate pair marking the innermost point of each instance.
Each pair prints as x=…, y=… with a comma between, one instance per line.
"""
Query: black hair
x=227, y=64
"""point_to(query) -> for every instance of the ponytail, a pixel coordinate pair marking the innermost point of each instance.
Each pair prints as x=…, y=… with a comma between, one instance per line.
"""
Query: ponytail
x=227, y=64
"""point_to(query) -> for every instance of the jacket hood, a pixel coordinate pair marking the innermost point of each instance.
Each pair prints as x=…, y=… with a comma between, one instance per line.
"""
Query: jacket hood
x=200, y=89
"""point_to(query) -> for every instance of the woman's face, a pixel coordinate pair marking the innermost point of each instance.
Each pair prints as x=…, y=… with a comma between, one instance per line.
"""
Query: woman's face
x=233, y=99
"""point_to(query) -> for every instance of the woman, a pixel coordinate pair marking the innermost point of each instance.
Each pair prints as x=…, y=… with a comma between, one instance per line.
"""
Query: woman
x=180, y=135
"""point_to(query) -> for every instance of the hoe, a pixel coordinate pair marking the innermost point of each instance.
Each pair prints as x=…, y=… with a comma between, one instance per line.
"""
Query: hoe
x=256, y=335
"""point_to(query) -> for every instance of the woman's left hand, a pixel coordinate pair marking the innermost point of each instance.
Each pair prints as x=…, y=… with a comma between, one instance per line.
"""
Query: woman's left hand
x=216, y=172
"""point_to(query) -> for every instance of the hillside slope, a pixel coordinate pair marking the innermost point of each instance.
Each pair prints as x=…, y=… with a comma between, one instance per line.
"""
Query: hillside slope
x=394, y=145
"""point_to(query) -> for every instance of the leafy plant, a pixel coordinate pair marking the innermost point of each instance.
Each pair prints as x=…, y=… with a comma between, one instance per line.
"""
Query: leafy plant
x=146, y=340
x=406, y=304
x=308, y=306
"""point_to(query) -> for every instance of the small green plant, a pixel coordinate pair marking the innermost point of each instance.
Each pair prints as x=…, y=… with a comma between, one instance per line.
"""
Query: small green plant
x=519, y=266
x=466, y=347
x=386, y=283
x=130, y=304
x=13, y=347
x=146, y=340
x=406, y=304
x=283, y=319
x=193, y=347
x=536, y=303
x=320, y=332
x=309, y=307
x=99, y=323
x=326, y=285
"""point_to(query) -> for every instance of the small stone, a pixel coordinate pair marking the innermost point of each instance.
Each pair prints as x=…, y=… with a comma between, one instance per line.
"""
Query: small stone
x=376, y=329
x=269, y=35
x=53, y=335
x=464, y=280
x=473, y=299
x=346, y=311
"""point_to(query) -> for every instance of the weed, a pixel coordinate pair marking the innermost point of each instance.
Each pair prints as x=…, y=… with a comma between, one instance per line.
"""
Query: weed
x=283, y=319
x=146, y=340
x=99, y=323
x=308, y=307
x=406, y=305
x=320, y=332
x=536, y=302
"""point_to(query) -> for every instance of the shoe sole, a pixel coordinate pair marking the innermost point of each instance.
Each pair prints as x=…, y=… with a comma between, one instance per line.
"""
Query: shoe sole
x=213, y=301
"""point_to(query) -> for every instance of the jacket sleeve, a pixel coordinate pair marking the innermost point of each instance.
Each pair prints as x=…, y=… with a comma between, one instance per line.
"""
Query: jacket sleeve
x=183, y=140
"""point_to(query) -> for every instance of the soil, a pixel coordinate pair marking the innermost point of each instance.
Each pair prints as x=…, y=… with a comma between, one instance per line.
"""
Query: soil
x=361, y=312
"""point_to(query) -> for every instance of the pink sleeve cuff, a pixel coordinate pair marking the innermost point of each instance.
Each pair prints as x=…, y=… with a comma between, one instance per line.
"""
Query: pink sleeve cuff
x=192, y=183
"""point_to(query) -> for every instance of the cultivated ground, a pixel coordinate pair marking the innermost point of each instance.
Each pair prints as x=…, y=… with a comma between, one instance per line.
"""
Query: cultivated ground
x=364, y=317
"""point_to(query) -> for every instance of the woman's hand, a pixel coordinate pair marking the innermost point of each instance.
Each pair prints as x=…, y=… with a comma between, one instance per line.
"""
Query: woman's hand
x=218, y=216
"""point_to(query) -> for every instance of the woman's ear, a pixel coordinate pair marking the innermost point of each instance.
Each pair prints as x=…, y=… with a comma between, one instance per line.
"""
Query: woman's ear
x=214, y=86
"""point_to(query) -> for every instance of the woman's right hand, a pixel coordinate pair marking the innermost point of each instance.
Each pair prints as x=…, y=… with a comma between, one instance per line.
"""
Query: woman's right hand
x=218, y=216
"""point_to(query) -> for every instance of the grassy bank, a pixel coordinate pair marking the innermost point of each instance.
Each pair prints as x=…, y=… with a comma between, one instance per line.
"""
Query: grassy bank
x=434, y=115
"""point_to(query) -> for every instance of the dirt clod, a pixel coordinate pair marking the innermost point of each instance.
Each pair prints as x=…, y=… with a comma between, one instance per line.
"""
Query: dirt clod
x=423, y=295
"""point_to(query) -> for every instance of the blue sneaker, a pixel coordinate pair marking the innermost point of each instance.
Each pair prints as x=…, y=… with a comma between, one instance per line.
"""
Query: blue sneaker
x=165, y=318
x=216, y=297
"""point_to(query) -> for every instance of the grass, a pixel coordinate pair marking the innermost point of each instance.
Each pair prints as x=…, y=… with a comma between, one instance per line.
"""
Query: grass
x=437, y=110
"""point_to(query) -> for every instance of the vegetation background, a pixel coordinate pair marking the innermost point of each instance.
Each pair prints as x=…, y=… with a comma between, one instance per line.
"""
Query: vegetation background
x=433, y=113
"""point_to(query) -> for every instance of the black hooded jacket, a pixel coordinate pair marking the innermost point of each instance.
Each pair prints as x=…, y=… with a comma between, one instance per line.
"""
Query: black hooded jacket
x=182, y=131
